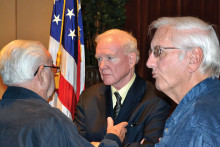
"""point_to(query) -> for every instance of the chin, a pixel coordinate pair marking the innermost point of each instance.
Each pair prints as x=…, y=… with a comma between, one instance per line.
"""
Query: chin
x=158, y=86
x=107, y=82
x=162, y=87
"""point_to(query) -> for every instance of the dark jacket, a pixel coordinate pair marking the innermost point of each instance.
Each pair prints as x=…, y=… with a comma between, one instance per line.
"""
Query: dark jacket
x=145, y=113
x=27, y=120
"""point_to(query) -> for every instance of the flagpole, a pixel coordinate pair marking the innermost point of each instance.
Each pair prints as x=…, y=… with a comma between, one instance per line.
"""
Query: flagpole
x=78, y=88
x=77, y=1
x=59, y=53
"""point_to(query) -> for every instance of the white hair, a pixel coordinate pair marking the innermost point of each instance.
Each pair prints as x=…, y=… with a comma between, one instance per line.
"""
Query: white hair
x=19, y=60
x=128, y=42
x=193, y=32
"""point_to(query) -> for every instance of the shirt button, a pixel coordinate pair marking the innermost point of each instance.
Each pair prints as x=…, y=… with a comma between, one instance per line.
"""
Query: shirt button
x=166, y=130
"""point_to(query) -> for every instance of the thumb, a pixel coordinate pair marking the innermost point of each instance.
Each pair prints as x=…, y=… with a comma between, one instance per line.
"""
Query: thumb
x=110, y=122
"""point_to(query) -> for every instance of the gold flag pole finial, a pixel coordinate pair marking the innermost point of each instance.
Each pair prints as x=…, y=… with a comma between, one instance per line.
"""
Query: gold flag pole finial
x=78, y=4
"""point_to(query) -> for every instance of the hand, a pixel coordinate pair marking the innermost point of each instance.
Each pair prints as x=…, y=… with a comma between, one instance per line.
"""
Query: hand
x=142, y=141
x=118, y=129
x=95, y=144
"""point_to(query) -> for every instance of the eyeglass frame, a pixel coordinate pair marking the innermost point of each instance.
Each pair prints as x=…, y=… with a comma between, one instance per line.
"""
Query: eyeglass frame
x=57, y=67
x=159, y=50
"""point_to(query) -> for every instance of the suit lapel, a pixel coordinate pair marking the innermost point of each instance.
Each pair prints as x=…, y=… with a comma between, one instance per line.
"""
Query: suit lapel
x=109, y=105
x=104, y=102
x=132, y=99
x=101, y=102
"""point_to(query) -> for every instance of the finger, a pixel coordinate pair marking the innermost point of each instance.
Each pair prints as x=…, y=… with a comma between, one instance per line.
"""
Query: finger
x=142, y=141
x=110, y=122
x=125, y=130
x=123, y=124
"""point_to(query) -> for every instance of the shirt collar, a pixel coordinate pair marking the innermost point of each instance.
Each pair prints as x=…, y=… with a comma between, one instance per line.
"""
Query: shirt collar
x=123, y=91
x=197, y=90
x=194, y=93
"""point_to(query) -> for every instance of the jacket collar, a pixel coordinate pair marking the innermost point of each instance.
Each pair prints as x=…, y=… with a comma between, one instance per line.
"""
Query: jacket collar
x=13, y=92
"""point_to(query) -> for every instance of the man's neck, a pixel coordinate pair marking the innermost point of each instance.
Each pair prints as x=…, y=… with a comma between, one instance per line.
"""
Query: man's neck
x=124, y=80
x=178, y=94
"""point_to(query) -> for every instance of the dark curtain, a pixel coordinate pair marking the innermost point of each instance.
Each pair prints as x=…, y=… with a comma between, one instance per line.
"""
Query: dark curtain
x=140, y=13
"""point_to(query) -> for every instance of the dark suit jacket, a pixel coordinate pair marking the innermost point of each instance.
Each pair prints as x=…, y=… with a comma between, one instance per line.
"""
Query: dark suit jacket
x=142, y=109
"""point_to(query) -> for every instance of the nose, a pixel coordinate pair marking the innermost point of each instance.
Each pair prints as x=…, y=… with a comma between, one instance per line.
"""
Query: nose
x=151, y=62
x=102, y=64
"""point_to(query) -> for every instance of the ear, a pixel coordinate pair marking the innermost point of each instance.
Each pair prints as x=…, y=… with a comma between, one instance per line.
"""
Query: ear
x=41, y=76
x=132, y=59
x=195, y=61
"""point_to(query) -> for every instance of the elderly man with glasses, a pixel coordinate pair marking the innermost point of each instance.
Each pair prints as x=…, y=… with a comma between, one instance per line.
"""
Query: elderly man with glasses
x=26, y=119
x=185, y=61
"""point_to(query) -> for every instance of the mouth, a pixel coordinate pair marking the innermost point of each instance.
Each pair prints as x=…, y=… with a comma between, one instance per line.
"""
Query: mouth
x=105, y=75
x=154, y=75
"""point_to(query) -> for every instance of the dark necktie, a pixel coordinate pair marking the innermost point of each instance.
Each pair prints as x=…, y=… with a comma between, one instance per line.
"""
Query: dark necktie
x=118, y=104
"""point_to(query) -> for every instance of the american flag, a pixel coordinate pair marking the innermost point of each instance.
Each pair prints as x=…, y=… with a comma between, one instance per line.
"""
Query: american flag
x=66, y=36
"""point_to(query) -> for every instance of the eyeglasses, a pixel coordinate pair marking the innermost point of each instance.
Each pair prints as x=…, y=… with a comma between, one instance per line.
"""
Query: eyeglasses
x=157, y=50
x=55, y=69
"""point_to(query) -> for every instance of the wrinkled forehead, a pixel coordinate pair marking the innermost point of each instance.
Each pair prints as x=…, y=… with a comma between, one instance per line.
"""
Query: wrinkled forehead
x=163, y=36
x=109, y=43
x=171, y=35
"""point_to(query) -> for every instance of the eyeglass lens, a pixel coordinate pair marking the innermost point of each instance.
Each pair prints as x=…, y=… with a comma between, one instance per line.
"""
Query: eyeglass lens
x=156, y=51
x=55, y=69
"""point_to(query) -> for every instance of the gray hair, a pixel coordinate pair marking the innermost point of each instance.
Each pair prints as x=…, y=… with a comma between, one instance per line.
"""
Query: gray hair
x=193, y=32
x=128, y=42
x=19, y=60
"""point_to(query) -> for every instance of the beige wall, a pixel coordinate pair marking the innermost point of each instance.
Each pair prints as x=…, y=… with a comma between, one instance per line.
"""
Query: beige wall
x=24, y=19
x=33, y=20
x=7, y=21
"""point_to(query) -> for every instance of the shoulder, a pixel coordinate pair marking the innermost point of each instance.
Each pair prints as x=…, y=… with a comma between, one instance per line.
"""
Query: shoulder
x=47, y=113
x=35, y=117
x=94, y=90
x=206, y=110
x=89, y=96
x=143, y=85
x=150, y=91
x=40, y=111
x=147, y=93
